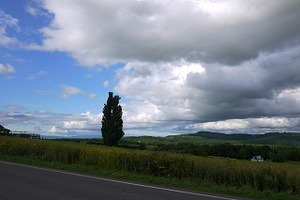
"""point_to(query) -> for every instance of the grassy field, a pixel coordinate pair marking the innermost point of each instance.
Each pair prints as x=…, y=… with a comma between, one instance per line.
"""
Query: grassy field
x=259, y=180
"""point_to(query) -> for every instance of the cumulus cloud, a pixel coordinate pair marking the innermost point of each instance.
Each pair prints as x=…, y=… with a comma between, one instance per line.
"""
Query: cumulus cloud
x=6, y=69
x=253, y=89
x=7, y=21
x=232, y=124
x=200, y=64
x=49, y=123
x=265, y=87
x=249, y=125
x=74, y=124
x=31, y=10
x=227, y=32
x=84, y=123
x=106, y=83
x=68, y=91
x=187, y=61
x=34, y=8
x=16, y=117
x=54, y=130
x=163, y=96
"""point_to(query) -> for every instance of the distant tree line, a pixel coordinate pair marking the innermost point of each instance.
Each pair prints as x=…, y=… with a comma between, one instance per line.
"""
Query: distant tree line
x=270, y=138
x=227, y=150
x=21, y=134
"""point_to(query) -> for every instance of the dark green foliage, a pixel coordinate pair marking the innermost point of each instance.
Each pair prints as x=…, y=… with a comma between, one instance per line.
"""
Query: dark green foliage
x=26, y=135
x=274, y=138
x=112, y=123
x=4, y=131
x=23, y=134
x=226, y=150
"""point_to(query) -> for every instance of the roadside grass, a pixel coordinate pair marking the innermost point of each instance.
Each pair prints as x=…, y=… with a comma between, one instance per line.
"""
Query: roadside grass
x=236, y=178
x=246, y=192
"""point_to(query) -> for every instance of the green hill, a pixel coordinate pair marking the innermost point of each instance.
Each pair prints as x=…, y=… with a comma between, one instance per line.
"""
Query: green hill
x=274, y=138
x=205, y=137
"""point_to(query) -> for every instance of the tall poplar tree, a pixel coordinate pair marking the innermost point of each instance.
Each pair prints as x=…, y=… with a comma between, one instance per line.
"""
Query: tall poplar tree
x=112, y=123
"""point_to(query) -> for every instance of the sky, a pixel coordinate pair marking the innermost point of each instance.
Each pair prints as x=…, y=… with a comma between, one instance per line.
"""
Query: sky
x=180, y=66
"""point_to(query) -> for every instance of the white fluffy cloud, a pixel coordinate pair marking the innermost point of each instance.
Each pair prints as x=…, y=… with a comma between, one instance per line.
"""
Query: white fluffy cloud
x=85, y=123
x=161, y=93
x=68, y=91
x=7, y=21
x=6, y=69
x=247, y=125
x=35, y=8
x=49, y=123
x=31, y=10
x=250, y=125
x=106, y=83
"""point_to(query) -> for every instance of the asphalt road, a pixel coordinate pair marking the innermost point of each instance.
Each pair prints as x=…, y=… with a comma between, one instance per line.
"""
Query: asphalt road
x=26, y=182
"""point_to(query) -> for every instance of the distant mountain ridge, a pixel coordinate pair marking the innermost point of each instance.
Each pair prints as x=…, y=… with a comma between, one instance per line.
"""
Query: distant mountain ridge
x=271, y=138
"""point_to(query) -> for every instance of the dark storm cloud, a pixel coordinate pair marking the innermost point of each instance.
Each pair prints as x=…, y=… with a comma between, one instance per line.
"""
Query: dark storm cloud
x=253, y=89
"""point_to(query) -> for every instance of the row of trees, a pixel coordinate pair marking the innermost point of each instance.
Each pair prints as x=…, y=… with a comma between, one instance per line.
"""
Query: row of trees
x=227, y=150
x=22, y=135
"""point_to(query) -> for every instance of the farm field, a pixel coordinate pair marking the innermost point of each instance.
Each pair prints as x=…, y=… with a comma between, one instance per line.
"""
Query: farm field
x=265, y=180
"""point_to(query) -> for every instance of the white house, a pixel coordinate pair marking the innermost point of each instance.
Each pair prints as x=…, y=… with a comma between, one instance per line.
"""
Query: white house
x=257, y=159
